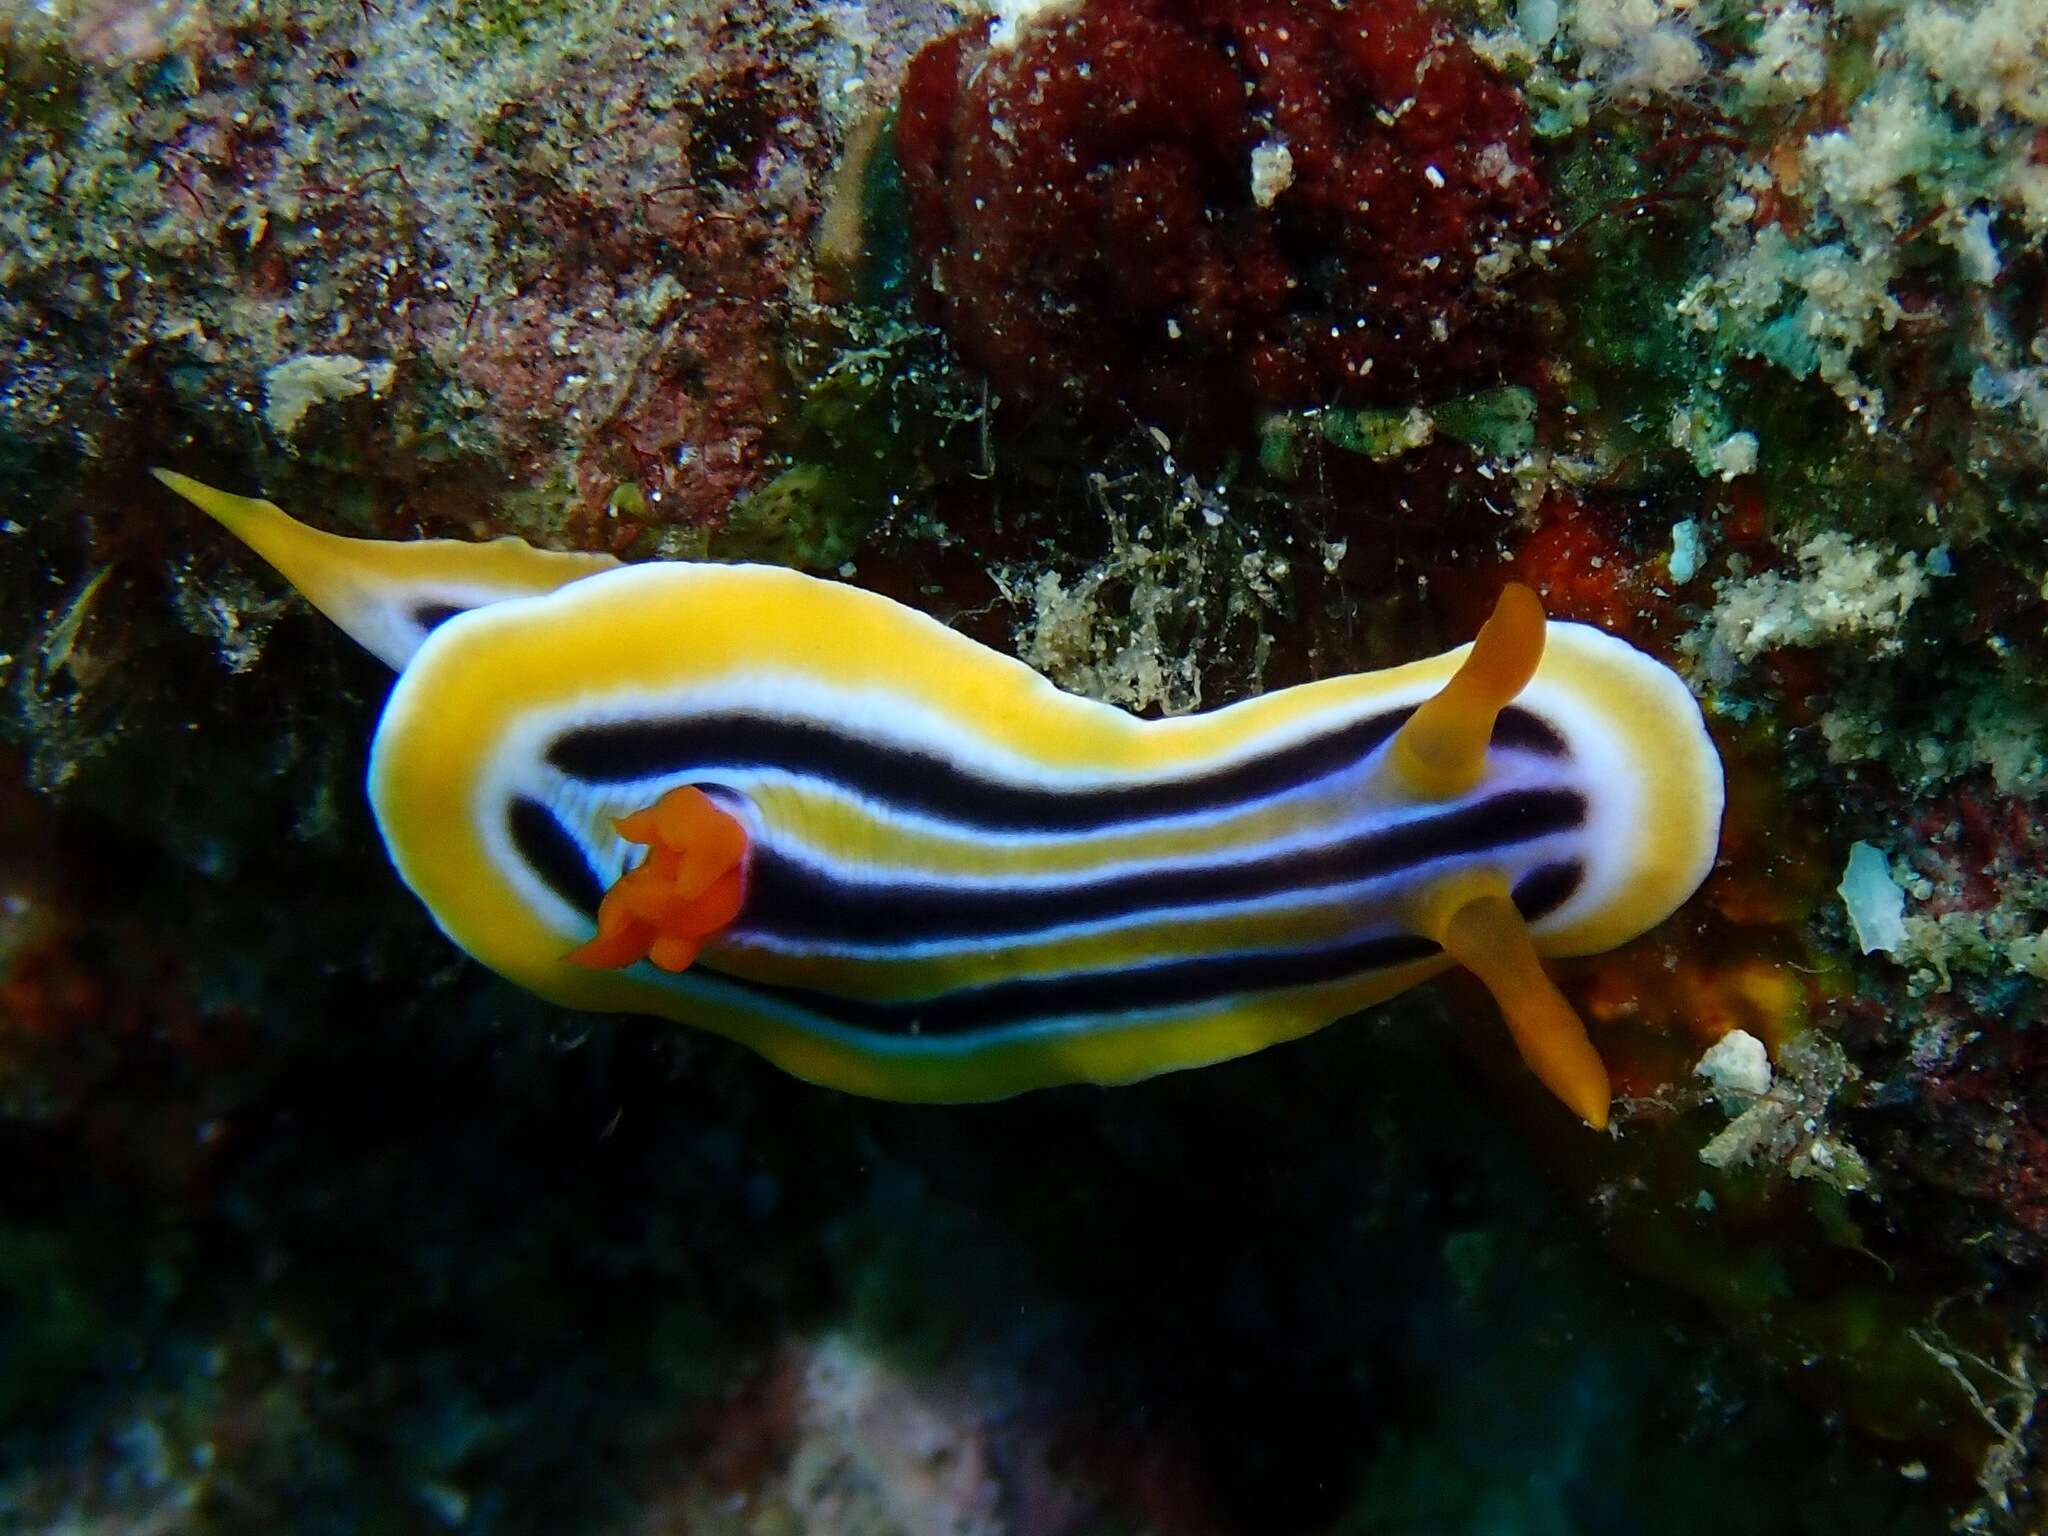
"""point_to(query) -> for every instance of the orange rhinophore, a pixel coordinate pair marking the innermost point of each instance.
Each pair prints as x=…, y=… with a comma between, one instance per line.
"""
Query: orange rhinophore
x=1441, y=752
x=685, y=890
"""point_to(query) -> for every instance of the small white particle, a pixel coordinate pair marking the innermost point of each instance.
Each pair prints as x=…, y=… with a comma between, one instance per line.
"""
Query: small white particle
x=1685, y=550
x=1875, y=903
x=1014, y=17
x=1272, y=171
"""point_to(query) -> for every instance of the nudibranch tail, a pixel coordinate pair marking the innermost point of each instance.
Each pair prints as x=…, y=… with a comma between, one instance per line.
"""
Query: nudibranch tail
x=1488, y=937
x=687, y=889
x=1441, y=752
x=387, y=596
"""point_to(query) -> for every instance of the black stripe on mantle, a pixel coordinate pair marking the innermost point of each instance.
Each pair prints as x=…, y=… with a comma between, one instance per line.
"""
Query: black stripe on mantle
x=553, y=853
x=797, y=903
x=699, y=746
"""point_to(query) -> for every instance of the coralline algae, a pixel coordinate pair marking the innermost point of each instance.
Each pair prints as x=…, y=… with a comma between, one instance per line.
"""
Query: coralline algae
x=1177, y=211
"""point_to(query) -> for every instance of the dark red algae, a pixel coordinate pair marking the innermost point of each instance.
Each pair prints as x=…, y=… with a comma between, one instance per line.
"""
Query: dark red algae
x=1188, y=211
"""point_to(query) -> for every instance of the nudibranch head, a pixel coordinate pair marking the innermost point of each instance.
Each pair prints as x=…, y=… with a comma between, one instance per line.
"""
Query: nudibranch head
x=894, y=861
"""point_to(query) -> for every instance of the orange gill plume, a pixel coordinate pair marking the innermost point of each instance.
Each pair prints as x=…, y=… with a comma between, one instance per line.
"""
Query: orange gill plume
x=688, y=887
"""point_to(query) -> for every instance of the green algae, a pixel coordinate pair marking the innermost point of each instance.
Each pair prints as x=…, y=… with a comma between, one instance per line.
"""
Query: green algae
x=42, y=84
x=808, y=517
x=501, y=24
x=881, y=417
x=56, y=1333
x=1379, y=435
x=1498, y=424
x=888, y=256
x=1632, y=241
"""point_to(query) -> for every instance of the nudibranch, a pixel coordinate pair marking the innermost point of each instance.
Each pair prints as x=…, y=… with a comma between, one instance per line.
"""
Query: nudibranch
x=899, y=863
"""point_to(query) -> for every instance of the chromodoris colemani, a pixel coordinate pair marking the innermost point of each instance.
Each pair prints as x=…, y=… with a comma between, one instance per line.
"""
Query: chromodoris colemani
x=897, y=862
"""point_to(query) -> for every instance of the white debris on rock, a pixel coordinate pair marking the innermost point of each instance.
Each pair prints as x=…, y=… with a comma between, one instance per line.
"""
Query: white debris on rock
x=1888, y=154
x=1736, y=1063
x=1140, y=627
x=2020, y=390
x=1811, y=309
x=1969, y=236
x=1791, y=62
x=1843, y=590
x=1736, y=455
x=1537, y=20
x=1272, y=171
x=1640, y=49
x=1714, y=452
x=297, y=384
x=1874, y=901
x=1686, y=551
x=1790, y=1129
x=1989, y=55
x=1015, y=17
